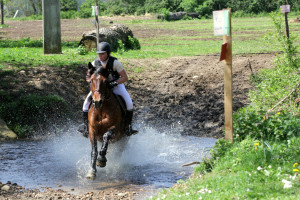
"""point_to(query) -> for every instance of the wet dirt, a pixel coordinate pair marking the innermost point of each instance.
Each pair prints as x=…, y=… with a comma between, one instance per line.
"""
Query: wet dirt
x=180, y=90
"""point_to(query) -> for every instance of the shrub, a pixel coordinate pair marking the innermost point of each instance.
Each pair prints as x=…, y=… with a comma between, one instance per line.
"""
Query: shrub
x=132, y=43
x=274, y=126
x=30, y=112
x=71, y=14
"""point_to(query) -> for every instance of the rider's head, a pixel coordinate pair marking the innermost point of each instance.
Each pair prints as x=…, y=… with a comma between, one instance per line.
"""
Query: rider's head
x=103, y=50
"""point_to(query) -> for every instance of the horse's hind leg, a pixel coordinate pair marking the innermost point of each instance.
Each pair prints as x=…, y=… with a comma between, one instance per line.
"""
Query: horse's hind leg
x=101, y=162
x=92, y=172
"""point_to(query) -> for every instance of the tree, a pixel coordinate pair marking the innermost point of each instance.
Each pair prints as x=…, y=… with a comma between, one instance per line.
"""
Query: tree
x=66, y=5
x=2, y=13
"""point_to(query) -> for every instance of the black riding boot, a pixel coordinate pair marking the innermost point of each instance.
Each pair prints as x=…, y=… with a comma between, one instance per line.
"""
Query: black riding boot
x=84, y=128
x=129, y=130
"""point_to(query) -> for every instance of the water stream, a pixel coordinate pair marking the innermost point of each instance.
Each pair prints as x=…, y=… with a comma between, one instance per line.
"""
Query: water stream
x=151, y=158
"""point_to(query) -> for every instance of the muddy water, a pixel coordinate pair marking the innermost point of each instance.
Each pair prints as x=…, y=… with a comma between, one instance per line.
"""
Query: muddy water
x=151, y=159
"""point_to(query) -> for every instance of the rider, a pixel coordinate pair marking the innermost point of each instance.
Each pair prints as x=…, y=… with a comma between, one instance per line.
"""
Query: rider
x=117, y=77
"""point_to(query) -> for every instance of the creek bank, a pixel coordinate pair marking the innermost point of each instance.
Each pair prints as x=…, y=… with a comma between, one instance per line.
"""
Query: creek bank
x=11, y=191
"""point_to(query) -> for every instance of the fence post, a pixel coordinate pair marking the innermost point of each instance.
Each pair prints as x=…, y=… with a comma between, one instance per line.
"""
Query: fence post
x=51, y=26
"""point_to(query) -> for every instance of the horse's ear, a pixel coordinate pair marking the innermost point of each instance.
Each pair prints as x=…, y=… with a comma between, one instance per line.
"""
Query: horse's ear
x=90, y=66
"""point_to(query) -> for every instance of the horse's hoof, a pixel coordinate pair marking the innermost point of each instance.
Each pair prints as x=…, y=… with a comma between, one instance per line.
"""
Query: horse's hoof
x=101, y=161
x=91, y=175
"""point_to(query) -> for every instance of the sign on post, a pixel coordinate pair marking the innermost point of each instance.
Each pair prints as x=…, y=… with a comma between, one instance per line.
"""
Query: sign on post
x=221, y=22
x=285, y=8
x=222, y=26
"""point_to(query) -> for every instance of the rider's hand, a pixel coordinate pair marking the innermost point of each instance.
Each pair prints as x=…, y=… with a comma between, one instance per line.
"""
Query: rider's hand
x=112, y=84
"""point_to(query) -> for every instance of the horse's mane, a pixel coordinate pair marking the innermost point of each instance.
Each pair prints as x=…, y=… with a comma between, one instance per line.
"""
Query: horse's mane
x=102, y=71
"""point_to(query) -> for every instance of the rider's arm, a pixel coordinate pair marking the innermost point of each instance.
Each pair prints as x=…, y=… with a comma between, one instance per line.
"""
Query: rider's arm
x=120, y=69
x=123, y=77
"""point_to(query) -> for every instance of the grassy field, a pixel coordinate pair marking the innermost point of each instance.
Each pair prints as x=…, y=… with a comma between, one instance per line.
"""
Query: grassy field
x=161, y=40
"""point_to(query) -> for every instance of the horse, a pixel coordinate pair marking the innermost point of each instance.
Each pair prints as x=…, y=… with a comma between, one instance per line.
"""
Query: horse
x=106, y=118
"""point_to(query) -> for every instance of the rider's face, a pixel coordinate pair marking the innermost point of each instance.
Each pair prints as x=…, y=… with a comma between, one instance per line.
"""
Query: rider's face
x=103, y=56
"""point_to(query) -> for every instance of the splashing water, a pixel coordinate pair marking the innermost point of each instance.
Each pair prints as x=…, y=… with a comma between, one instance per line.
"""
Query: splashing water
x=150, y=158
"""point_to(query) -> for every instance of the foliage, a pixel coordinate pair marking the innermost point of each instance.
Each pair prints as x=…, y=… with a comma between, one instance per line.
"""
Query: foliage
x=26, y=113
x=66, y=5
x=189, y=5
x=282, y=82
x=275, y=126
x=85, y=10
x=71, y=14
x=138, y=7
x=132, y=43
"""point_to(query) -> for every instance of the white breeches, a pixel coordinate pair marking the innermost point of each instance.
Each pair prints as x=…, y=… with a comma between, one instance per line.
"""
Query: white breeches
x=118, y=90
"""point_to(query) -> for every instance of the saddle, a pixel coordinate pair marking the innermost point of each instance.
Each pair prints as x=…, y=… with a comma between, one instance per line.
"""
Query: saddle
x=121, y=103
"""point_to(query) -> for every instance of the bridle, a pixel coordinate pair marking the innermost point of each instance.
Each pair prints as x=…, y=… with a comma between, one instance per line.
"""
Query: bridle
x=103, y=97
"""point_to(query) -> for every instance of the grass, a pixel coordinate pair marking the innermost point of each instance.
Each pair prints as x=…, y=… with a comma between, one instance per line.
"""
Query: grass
x=244, y=173
x=167, y=39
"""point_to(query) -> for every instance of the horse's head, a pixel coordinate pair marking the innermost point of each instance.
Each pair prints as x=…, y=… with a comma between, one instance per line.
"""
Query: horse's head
x=98, y=87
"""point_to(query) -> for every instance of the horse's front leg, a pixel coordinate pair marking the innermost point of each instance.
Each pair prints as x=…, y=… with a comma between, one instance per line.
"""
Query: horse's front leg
x=92, y=172
x=101, y=162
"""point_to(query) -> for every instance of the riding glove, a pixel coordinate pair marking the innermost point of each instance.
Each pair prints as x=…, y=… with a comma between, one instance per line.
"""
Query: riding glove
x=112, y=84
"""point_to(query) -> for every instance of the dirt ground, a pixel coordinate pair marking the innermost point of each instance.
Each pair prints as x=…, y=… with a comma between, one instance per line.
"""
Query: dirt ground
x=185, y=91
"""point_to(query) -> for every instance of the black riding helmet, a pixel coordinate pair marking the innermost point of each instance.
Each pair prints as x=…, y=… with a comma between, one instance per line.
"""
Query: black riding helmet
x=103, y=47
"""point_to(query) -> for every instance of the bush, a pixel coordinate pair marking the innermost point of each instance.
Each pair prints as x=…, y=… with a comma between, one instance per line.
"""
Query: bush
x=85, y=13
x=68, y=5
x=68, y=14
x=257, y=125
x=132, y=43
x=85, y=10
x=30, y=112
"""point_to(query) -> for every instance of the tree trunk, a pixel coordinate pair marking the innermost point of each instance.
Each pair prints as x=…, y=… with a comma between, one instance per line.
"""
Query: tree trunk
x=2, y=12
x=34, y=8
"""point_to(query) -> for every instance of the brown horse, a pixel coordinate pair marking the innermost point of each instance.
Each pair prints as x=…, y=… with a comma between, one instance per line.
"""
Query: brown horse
x=106, y=120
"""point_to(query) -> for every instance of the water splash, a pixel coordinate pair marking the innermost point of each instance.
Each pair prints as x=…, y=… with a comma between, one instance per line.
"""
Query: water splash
x=151, y=157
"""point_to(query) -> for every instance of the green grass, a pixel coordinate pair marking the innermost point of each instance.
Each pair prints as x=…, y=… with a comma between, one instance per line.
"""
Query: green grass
x=168, y=39
x=244, y=173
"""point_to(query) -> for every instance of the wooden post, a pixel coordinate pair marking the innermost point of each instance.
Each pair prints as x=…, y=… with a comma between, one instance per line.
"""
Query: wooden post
x=228, y=84
x=286, y=23
x=97, y=22
x=51, y=27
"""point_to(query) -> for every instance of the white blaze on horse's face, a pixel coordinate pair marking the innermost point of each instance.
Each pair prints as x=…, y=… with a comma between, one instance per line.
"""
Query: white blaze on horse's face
x=96, y=92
